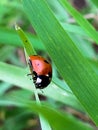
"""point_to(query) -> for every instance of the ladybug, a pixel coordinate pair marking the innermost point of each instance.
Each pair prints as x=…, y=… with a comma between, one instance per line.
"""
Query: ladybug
x=41, y=71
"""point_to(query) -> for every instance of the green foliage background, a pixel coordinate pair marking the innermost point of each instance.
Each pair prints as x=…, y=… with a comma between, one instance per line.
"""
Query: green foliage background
x=70, y=47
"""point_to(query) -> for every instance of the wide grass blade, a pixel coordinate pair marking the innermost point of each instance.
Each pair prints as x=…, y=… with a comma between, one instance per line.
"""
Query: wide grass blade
x=20, y=79
x=72, y=65
x=52, y=115
x=89, y=29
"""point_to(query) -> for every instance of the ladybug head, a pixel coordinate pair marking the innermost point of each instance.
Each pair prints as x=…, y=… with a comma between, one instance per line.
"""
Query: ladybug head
x=41, y=81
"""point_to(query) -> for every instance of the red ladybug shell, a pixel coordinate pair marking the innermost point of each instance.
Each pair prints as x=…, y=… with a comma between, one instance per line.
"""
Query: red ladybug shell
x=40, y=65
x=41, y=71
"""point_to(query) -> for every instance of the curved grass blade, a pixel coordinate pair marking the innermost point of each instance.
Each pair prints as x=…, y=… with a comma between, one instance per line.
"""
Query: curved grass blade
x=58, y=120
x=89, y=29
x=30, y=51
x=20, y=79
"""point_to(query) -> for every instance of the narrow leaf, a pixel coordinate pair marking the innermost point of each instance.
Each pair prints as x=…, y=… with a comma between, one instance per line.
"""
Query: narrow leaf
x=27, y=45
x=13, y=39
x=89, y=29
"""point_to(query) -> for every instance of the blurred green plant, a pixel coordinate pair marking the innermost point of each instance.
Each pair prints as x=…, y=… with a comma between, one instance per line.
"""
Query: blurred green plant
x=70, y=47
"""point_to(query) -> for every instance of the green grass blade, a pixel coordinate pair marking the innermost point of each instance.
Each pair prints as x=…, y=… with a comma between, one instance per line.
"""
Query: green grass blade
x=84, y=46
x=30, y=51
x=5, y=52
x=18, y=75
x=74, y=29
x=52, y=115
x=95, y=2
x=26, y=43
x=13, y=39
x=73, y=67
x=89, y=29
x=4, y=87
x=20, y=79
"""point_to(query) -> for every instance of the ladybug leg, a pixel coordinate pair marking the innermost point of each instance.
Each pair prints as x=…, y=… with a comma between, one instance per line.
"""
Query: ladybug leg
x=30, y=63
x=29, y=74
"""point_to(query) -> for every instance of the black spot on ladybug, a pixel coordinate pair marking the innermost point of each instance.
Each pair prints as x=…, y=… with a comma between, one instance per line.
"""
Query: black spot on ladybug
x=43, y=81
x=35, y=55
x=50, y=74
x=35, y=74
x=38, y=64
x=46, y=61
